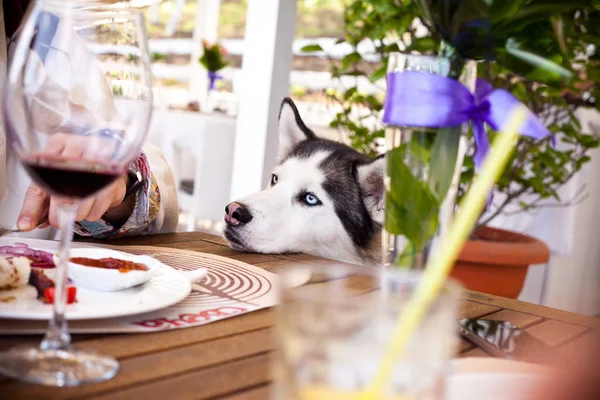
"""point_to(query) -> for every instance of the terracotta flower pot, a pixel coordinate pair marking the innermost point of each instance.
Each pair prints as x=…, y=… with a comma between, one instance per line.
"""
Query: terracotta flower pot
x=497, y=261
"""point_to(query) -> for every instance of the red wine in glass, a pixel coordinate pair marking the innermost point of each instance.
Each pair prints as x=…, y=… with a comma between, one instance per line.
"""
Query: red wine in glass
x=69, y=177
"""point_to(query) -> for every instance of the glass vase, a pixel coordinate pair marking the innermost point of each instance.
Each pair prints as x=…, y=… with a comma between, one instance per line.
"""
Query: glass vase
x=423, y=171
x=209, y=104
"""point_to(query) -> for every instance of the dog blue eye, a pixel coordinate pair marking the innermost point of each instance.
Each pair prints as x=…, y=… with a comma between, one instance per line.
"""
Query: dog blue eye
x=311, y=200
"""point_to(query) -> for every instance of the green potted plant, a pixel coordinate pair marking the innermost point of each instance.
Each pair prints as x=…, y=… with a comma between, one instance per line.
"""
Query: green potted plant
x=537, y=50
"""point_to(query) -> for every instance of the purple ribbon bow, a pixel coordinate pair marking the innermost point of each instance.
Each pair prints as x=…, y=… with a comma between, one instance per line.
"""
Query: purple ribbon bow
x=435, y=101
x=212, y=79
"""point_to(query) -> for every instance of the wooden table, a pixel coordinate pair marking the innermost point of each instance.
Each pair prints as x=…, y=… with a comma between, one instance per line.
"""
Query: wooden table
x=229, y=359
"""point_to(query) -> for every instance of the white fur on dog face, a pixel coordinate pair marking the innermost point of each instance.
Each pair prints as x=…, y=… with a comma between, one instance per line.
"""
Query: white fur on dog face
x=282, y=223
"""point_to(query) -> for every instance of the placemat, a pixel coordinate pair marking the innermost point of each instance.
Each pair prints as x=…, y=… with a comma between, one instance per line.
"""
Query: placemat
x=230, y=288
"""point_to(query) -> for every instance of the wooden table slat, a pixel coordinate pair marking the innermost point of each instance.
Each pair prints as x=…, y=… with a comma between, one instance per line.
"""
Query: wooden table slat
x=277, y=265
x=200, y=384
x=584, y=343
x=520, y=319
x=555, y=333
x=257, y=393
x=159, y=365
x=470, y=309
x=528, y=308
x=129, y=345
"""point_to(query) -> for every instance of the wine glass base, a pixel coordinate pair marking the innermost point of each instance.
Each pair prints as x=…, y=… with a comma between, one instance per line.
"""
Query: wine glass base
x=61, y=368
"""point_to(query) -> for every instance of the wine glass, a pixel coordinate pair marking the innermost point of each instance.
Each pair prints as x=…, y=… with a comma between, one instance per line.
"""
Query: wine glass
x=77, y=105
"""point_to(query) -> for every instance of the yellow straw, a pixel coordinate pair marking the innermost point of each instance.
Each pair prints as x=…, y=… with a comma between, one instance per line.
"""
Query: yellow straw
x=442, y=262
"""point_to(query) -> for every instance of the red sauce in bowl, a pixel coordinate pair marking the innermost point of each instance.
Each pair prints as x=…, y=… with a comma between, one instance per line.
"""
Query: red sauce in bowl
x=110, y=263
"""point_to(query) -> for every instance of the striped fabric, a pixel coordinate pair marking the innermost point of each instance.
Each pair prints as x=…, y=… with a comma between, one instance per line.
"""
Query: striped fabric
x=140, y=222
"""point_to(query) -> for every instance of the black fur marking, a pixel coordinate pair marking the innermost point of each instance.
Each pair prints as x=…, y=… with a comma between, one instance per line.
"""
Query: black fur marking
x=309, y=133
x=341, y=184
x=308, y=148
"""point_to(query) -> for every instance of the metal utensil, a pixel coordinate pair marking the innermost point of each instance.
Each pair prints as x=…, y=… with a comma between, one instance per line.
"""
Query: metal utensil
x=5, y=231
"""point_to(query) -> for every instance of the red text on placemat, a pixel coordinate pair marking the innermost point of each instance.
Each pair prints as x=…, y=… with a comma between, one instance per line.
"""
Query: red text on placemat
x=191, y=319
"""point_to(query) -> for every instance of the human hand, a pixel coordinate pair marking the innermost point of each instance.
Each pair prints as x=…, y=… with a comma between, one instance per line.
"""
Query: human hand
x=107, y=204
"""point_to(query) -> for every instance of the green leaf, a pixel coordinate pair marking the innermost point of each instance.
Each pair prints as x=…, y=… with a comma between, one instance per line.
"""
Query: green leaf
x=404, y=23
x=589, y=141
x=443, y=160
x=158, y=57
x=351, y=59
x=545, y=9
x=379, y=73
x=355, y=73
x=311, y=48
x=336, y=72
x=424, y=44
x=349, y=93
x=555, y=70
x=537, y=184
x=411, y=209
x=504, y=9
x=416, y=153
x=559, y=32
x=406, y=258
x=579, y=163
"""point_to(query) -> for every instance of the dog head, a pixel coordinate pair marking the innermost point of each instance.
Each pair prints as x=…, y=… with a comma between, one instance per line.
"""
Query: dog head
x=324, y=198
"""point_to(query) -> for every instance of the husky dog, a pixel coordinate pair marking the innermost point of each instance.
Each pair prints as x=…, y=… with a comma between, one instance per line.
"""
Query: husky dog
x=324, y=199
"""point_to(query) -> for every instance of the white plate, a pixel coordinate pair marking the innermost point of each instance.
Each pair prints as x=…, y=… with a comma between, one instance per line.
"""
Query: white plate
x=166, y=288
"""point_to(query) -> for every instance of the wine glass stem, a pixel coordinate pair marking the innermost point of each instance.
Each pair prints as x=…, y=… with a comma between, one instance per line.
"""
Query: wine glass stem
x=57, y=337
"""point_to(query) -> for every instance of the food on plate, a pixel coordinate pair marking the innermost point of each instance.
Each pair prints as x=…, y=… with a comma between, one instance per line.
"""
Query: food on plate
x=22, y=275
x=14, y=276
x=38, y=258
x=40, y=282
x=110, y=263
x=71, y=295
x=110, y=270
x=45, y=287
x=14, y=272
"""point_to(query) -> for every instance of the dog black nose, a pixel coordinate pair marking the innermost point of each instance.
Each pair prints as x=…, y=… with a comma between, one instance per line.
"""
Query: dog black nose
x=237, y=214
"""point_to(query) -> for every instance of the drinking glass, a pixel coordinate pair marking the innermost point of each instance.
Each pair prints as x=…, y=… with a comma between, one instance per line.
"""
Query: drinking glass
x=335, y=323
x=77, y=106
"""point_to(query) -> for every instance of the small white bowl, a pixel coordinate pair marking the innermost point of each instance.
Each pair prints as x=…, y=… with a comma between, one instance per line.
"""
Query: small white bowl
x=109, y=280
x=496, y=379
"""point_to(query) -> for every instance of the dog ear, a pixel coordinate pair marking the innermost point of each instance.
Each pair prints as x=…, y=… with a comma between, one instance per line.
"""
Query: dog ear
x=371, y=181
x=292, y=129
